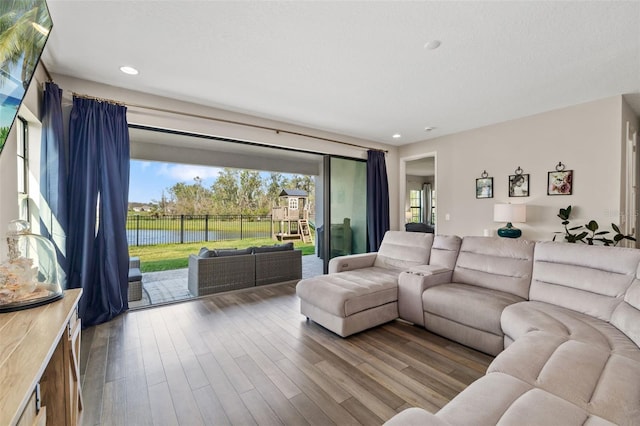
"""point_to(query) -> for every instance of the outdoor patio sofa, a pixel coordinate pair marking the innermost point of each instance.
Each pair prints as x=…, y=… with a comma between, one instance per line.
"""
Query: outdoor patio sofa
x=135, y=280
x=214, y=271
x=563, y=320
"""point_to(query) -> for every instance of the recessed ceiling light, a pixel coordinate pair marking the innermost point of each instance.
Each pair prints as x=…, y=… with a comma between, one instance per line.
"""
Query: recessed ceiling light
x=432, y=44
x=428, y=128
x=397, y=136
x=129, y=70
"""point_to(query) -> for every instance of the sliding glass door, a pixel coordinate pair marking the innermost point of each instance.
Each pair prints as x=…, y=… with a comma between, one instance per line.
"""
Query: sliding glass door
x=345, y=201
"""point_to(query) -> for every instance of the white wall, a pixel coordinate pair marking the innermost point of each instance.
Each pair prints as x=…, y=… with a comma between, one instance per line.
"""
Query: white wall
x=585, y=137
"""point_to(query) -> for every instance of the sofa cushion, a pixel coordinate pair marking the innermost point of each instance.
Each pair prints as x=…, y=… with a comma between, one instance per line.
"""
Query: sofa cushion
x=519, y=319
x=276, y=247
x=231, y=252
x=500, y=399
x=626, y=317
x=588, y=279
x=402, y=250
x=444, y=251
x=205, y=252
x=135, y=275
x=501, y=264
x=472, y=306
x=349, y=292
x=592, y=377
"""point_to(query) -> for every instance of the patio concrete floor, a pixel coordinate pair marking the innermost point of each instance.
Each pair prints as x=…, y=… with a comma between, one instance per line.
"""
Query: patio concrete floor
x=171, y=286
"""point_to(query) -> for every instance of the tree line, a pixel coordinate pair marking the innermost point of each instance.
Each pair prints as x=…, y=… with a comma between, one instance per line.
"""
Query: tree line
x=234, y=192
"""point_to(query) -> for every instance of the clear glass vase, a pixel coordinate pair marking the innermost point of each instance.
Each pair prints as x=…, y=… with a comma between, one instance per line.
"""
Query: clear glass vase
x=30, y=275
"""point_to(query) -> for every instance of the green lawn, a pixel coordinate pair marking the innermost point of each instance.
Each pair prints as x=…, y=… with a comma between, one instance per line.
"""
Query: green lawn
x=163, y=257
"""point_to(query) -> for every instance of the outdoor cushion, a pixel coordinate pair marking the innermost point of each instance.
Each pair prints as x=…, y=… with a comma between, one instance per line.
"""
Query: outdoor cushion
x=230, y=252
x=273, y=248
x=205, y=252
x=135, y=275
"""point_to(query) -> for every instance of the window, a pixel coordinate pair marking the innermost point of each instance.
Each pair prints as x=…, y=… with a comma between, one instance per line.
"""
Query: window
x=415, y=203
x=23, y=146
x=23, y=167
x=293, y=203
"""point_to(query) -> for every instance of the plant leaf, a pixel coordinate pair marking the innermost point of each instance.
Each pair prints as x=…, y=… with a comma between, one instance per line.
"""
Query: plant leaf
x=581, y=235
x=592, y=226
x=615, y=228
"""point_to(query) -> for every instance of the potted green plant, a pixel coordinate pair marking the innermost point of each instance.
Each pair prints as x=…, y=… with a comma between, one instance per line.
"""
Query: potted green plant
x=592, y=234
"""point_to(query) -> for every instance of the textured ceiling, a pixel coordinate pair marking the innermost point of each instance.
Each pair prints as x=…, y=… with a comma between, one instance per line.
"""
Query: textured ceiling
x=357, y=68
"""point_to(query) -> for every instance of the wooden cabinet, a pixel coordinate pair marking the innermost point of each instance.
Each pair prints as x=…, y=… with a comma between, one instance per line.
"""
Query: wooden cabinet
x=39, y=364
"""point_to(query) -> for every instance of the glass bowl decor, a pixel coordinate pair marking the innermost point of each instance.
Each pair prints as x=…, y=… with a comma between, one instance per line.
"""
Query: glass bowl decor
x=29, y=277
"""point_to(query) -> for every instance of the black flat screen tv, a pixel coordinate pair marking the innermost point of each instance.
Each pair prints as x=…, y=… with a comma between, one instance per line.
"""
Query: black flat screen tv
x=24, y=30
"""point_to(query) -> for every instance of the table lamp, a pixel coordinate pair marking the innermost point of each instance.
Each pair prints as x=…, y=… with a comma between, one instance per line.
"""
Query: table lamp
x=509, y=213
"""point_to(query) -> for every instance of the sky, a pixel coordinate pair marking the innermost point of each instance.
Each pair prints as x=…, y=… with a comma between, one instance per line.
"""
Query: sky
x=148, y=179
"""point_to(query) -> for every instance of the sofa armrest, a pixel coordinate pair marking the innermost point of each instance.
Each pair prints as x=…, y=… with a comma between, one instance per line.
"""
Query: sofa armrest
x=415, y=416
x=426, y=270
x=134, y=262
x=351, y=262
x=412, y=284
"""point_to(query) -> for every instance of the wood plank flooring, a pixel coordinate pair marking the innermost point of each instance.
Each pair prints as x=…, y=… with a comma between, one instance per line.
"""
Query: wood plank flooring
x=250, y=357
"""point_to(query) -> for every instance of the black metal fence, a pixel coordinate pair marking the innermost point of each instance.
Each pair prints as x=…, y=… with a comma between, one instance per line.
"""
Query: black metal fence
x=180, y=229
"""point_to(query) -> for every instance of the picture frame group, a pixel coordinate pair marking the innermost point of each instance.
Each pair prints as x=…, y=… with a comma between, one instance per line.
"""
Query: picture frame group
x=559, y=182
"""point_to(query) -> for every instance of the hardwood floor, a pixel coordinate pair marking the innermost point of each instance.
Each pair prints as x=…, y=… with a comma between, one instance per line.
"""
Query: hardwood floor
x=250, y=357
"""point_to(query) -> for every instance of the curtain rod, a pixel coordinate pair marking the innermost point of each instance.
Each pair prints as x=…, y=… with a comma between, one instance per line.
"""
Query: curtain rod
x=223, y=120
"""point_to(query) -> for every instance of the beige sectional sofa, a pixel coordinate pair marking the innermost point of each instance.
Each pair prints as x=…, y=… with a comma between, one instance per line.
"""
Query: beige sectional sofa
x=563, y=320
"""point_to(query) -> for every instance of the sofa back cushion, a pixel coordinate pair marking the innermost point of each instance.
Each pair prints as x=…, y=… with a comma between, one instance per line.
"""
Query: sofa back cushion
x=276, y=247
x=230, y=252
x=626, y=316
x=444, y=251
x=402, y=250
x=588, y=279
x=501, y=264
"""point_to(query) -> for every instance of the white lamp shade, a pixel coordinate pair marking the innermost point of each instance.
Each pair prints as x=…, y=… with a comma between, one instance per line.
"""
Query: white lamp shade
x=510, y=213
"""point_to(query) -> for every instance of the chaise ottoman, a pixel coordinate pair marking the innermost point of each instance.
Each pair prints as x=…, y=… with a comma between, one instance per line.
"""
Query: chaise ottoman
x=362, y=290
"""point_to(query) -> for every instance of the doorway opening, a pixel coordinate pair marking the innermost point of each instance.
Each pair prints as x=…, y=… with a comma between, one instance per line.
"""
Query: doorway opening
x=257, y=162
x=418, y=193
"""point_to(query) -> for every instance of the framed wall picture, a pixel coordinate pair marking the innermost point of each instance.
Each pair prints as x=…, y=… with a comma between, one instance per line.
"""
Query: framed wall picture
x=560, y=182
x=519, y=184
x=484, y=187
